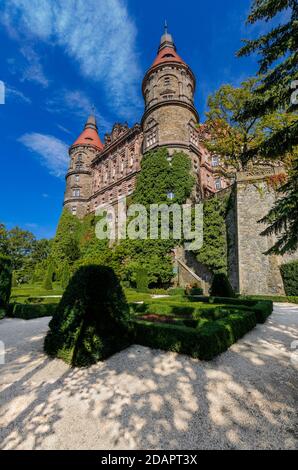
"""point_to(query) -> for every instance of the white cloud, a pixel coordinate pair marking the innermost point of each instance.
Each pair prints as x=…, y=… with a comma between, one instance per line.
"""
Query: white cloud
x=99, y=35
x=33, y=72
x=16, y=95
x=53, y=152
x=76, y=103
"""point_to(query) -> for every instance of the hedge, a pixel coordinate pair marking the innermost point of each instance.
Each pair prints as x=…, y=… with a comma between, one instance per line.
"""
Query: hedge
x=29, y=311
x=176, y=291
x=273, y=298
x=206, y=342
x=91, y=321
x=289, y=274
x=214, y=311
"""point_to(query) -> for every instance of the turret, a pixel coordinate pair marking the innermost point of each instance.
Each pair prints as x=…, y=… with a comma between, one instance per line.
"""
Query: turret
x=168, y=89
x=79, y=175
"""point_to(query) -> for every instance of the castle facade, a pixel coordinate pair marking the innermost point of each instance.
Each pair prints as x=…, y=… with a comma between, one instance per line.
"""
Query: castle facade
x=99, y=173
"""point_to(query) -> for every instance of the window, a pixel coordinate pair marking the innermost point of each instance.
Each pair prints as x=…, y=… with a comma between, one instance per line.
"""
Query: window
x=151, y=138
x=167, y=81
x=77, y=178
x=76, y=192
x=218, y=183
x=78, y=166
x=194, y=137
x=170, y=195
x=79, y=159
x=74, y=210
x=131, y=158
x=215, y=160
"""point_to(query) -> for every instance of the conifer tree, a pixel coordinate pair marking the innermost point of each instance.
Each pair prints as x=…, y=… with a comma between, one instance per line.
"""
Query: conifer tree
x=278, y=74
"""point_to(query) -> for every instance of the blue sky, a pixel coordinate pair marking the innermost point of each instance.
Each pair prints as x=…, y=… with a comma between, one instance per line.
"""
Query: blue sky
x=60, y=57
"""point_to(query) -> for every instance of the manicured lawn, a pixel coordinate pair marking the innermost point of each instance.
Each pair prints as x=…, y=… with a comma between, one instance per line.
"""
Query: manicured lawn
x=34, y=290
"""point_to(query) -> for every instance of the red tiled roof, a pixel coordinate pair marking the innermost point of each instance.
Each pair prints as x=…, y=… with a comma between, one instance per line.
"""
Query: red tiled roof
x=89, y=136
x=167, y=54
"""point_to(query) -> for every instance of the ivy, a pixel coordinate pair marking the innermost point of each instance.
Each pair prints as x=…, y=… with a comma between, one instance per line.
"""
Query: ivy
x=213, y=253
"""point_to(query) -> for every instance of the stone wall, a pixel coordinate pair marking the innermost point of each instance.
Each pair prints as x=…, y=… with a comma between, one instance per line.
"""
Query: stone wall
x=251, y=271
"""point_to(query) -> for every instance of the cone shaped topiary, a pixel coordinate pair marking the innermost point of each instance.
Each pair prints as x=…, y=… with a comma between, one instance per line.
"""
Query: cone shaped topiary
x=221, y=286
x=90, y=322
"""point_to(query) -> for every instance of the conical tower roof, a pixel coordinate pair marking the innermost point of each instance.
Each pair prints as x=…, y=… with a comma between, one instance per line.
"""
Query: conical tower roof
x=90, y=136
x=167, y=50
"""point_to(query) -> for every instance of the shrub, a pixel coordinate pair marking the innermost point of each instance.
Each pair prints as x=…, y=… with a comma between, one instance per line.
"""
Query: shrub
x=221, y=286
x=142, y=280
x=49, y=277
x=205, y=342
x=176, y=291
x=289, y=274
x=90, y=322
x=29, y=311
x=65, y=276
x=5, y=280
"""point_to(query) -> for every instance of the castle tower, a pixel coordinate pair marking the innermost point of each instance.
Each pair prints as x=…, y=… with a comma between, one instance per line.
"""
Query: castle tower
x=170, y=117
x=79, y=175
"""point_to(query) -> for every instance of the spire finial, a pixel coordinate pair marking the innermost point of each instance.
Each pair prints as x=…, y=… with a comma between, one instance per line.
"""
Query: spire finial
x=166, y=27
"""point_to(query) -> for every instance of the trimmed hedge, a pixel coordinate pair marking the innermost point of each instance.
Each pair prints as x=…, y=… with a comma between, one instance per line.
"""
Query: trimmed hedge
x=177, y=309
x=90, y=322
x=289, y=274
x=273, y=298
x=205, y=342
x=176, y=291
x=29, y=311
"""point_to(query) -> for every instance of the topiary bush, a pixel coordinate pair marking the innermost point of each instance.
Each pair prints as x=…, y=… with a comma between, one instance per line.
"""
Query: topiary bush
x=142, y=280
x=289, y=274
x=5, y=281
x=49, y=277
x=90, y=322
x=221, y=286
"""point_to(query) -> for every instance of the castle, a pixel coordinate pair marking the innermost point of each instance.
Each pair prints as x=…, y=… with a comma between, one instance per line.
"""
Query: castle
x=99, y=173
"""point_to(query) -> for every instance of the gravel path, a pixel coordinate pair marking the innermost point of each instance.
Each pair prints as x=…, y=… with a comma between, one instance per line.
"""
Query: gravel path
x=148, y=399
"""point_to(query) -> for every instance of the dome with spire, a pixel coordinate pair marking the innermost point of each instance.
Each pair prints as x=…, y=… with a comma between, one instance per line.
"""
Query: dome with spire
x=89, y=136
x=167, y=50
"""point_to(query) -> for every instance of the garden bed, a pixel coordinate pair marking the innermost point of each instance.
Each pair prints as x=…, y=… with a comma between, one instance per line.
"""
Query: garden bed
x=202, y=330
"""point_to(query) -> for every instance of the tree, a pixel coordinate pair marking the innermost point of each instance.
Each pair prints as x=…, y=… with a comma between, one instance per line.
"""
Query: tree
x=65, y=246
x=282, y=219
x=49, y=277
x=19, y=246
x=278, y=71
x=236, y=137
